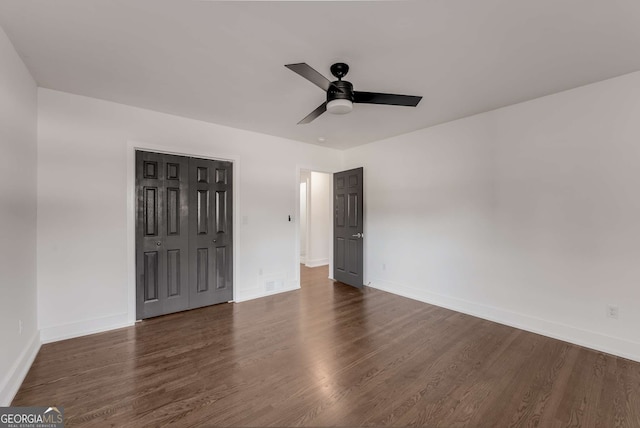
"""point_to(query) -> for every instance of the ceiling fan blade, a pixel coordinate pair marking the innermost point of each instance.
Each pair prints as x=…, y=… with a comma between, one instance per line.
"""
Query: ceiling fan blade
x=314, y=114
x=390, y=99
x=305, y=70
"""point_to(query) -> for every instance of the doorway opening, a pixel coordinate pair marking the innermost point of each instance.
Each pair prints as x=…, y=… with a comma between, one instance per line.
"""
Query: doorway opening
x=315, y=221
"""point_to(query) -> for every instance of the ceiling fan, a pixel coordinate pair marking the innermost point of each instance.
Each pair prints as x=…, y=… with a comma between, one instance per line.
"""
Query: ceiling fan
x=340, y=93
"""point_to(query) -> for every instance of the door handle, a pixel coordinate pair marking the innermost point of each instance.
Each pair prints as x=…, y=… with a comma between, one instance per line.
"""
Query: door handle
x=358, y=235
x=158, y=243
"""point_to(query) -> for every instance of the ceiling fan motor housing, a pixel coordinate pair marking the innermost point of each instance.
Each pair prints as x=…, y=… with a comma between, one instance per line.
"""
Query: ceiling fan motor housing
x=340, y=97
x=345, y=87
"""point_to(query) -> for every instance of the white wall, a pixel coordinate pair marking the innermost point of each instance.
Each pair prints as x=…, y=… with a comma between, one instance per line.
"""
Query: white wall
x=528, y=215
x=84, y=261
x=18, y=110
x=319, y=219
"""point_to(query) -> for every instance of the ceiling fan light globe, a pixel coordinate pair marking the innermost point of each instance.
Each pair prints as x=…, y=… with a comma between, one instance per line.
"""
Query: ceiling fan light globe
x=339, y=106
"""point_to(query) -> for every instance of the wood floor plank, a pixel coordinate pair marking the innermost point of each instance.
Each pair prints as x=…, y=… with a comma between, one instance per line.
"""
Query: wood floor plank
x=330, y=355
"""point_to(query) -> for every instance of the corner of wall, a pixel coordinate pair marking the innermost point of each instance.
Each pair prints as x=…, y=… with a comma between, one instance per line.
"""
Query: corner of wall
x=15, y=376
x=19, y=335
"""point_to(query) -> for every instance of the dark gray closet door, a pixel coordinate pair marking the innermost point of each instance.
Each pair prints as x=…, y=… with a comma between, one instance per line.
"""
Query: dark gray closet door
x=210, y=232
x=348, y=234
x=183, y=233
x=162, y=234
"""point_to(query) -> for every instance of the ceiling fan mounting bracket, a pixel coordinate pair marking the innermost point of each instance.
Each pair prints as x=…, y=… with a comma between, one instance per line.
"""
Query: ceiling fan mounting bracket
x=339, y=69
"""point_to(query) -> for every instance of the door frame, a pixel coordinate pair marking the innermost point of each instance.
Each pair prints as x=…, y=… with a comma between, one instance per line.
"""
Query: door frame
x=178, y=150
x=299, y=213
x=299, y=169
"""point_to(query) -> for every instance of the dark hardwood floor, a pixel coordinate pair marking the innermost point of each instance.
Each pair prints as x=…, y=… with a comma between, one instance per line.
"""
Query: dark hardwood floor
x=330, y=355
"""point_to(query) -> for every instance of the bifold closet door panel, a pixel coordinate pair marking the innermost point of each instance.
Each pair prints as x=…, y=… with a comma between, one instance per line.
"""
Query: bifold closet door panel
x=210, y=232
x=162, y=234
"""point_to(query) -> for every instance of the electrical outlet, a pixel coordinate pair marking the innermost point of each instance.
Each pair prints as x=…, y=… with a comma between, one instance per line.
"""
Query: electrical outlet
x=613, y=311
x=20, y=327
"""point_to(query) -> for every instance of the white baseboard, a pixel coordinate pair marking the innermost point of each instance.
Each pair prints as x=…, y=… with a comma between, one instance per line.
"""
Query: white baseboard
x=303, y=259
x=256, y=294
x=14, y=378
x=317, y=263
x=83, y=328
x=577, y=336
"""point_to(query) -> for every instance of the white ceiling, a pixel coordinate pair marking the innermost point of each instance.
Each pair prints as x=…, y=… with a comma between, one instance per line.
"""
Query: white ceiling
x=223, y=62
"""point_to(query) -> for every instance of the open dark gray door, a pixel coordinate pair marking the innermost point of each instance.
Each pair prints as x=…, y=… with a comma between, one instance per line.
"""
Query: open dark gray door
x=161, y=234
x=348, y=227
